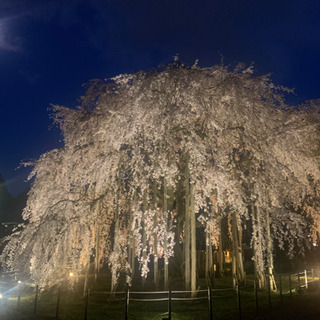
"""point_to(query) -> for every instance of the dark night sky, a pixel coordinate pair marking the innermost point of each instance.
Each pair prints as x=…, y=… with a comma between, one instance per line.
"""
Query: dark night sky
x=49, y=48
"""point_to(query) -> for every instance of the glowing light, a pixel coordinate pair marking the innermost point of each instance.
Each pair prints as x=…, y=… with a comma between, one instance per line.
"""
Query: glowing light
x=19, y=281
x=71, y=274
x=315, y=244
x=1, y=296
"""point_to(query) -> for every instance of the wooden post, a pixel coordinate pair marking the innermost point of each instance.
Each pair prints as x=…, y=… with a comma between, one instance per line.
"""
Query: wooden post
x=306, y=279
x=58, y=305
x=36, y=300
x=256, y=296
x=169, y=304
x=127, y=304
x=238, y=302
x=210, y=302
x=299, y=282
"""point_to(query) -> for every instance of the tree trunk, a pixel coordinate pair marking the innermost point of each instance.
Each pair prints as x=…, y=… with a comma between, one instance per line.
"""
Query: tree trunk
x=273, y=285
x=165, y=213
x=257, y=247
x=116, y=248
x=132, y=260
x=220, y=248
x=116, y=245
x=211, y=270
x=86, y=278
x=97, y=266
x=131, y=244
x=207, y=258
x=187, y=230
x=237, y=260
x=144, y=239
x=193, y=241
x=155, y=240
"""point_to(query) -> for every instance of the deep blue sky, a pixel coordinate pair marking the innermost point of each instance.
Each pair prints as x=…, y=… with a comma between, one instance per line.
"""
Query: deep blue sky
x=49, y=48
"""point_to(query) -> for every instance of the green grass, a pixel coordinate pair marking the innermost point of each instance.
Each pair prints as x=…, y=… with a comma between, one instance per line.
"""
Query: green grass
x=101, y=306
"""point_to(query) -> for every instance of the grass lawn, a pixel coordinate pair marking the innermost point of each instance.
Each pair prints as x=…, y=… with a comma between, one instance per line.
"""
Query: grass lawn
x=72, y=304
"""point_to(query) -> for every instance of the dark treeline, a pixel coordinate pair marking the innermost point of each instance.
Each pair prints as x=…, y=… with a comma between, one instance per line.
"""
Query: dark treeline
x=10, y=208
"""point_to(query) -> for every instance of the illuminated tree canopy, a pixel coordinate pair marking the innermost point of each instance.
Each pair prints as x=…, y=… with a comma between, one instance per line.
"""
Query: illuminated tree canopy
x=149, y=157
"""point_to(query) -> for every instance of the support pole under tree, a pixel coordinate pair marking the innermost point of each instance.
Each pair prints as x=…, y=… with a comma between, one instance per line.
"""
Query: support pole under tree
x=127, y=305
x=169, y=304
x=58, y=305
x=36, y=300
x=306, y=279
x=269, y=292
x=210, y=302
x=86, y=305
x=256, y=296
x=238, y=301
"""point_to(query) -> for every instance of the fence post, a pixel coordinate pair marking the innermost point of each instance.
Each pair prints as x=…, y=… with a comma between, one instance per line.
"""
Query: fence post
x=256, y=296
x=280, y=284
x=169, y=304
x=36, y=300
x=210, y=302
x=58, y=305
x=127, y=304
x=306, y=279
x=299, y=283
x=86, y=305
x=269, y=292
x=238, y=301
